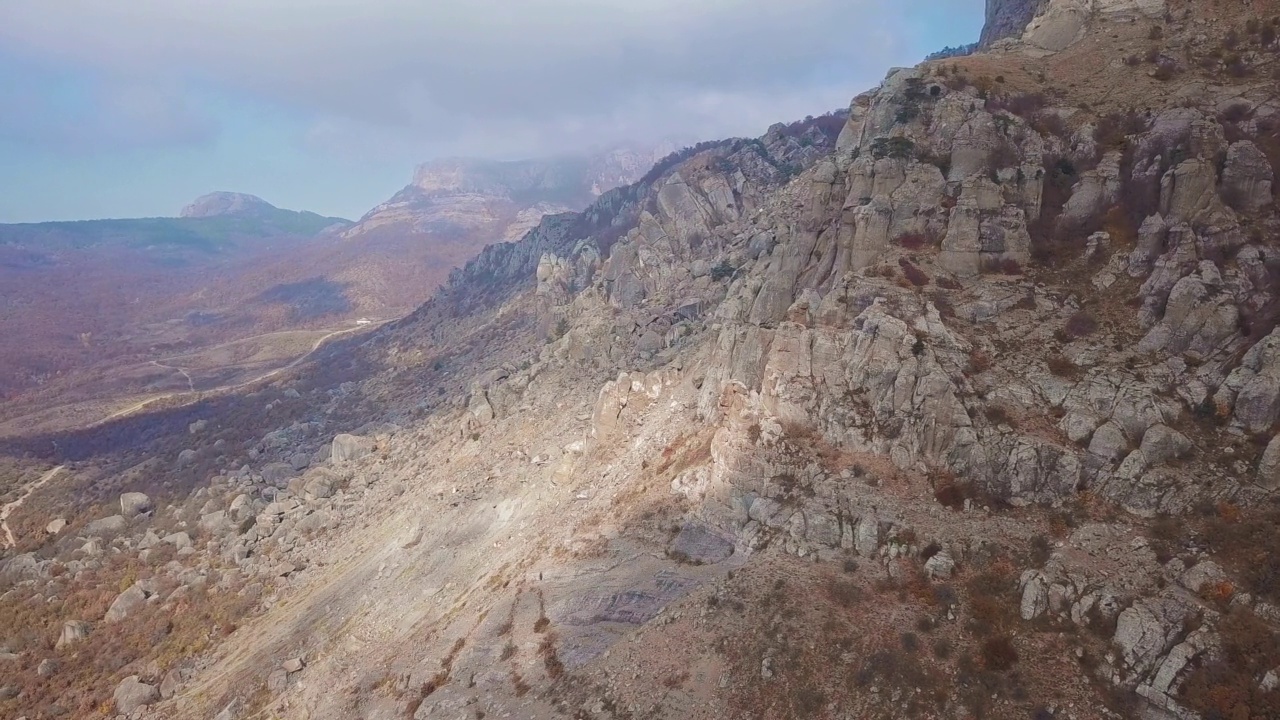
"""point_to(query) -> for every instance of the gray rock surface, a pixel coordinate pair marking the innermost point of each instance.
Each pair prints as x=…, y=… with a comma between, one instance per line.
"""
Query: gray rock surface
x=72, y=633
x=106, y=526
x=698, y=544
x=132, y=694
x=125, y=604
x=133, y=504
x=347, y=448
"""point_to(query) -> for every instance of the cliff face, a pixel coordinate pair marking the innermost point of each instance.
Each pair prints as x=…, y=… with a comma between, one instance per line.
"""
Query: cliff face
x=1008, y=18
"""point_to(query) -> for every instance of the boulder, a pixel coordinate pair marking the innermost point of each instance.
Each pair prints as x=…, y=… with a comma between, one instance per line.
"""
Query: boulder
x=1162, y=443
x=1202, y=576
x=179, y=540
x=1147, y=629
x=277, y=681
x=867, y=536
x=278, y=473
x=170, y=684
x=106, y=526
x=47, y=667
x=55, y=526
x=241, y=507
x=125, y=604
x=292, y=665
x=1256, y=384
x=1059, y=25
x=186, y=457
x=1035, y=595
x=318, y=488
x=214, y=523
x=1247, y=177
x=939, y=567
x=347, y=448
x=132, y=694
x=1269, y=465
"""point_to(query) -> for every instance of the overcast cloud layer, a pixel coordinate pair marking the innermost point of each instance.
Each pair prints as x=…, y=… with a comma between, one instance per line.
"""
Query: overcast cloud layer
x=391, y=82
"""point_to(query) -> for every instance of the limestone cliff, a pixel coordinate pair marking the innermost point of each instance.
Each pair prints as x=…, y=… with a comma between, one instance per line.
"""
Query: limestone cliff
x=1008, y=18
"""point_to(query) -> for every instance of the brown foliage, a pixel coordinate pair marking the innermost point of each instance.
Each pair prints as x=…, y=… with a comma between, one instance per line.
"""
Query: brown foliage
x=914, y=241
x=914, y=275
x=1227, y=687
x=1080, y=325
x=1249, y=544
x=1063, y=368
x=998, y=653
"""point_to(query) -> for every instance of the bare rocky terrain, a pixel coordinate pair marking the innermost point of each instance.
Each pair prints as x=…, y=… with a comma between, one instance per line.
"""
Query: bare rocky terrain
x=961, y=403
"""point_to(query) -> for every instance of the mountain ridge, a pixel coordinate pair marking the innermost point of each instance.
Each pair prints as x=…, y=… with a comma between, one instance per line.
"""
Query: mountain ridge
x=961, y=403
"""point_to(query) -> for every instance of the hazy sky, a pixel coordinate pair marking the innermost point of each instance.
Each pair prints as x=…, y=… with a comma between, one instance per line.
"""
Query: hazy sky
x=122, y=108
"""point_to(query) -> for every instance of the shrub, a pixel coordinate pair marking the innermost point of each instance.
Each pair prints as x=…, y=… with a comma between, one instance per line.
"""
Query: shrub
x=999, y=416
x=914, y=275
x=1227, y=686
x=950, y=492
x=897, y=147
x=550, y=660
x=1081, y=324
x=998, y=653
x=979, y=362
x=910, y=642
x=1040, y=550
x=722, y=271
x=1249, y=544
x=1063, y=368
x=1023, y=105
x=845, y=593
x=913, y=241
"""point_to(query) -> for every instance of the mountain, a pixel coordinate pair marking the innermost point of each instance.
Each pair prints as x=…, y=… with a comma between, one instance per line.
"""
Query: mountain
x=90, y=306
x=217, y=223
x=502, y=199
x=74, y=294
x=227, y=203
x=962, y=403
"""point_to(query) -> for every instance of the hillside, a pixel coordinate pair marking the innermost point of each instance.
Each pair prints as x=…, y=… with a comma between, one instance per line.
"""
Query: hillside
x=98, y=309
x=963, y=403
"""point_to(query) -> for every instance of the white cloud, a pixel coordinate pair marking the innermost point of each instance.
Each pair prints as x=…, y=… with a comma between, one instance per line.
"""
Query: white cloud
x=490, y=77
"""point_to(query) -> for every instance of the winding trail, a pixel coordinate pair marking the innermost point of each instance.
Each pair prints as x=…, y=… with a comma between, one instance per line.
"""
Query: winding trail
x=198, y=394
x=191, y=386
x=8, y=509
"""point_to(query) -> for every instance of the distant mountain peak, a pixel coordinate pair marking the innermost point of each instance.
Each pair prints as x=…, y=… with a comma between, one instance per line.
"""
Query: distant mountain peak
x=225, y=203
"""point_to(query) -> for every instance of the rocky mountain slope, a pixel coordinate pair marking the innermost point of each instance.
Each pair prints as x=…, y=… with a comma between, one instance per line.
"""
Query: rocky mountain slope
x=961, y=404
